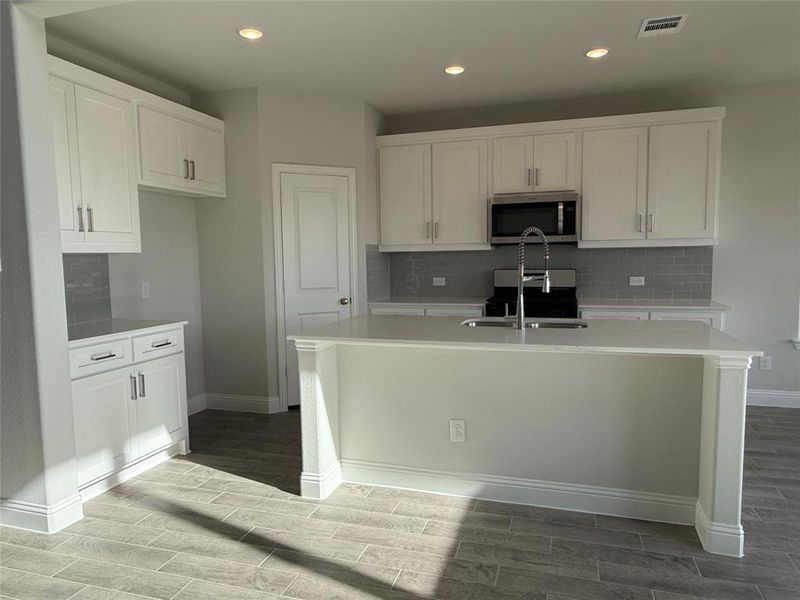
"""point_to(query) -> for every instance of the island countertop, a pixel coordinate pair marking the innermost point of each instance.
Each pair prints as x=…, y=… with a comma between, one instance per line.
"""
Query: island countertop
x=683, y=338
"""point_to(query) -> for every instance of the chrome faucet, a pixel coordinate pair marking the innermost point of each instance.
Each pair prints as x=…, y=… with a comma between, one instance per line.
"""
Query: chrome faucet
x=521, y=278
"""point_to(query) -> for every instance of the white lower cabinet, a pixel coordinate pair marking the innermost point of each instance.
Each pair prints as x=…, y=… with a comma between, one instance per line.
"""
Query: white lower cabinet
x=104, y=415
x=427, y=310
x=128, y=413
x=709, y=317
x=628, y=315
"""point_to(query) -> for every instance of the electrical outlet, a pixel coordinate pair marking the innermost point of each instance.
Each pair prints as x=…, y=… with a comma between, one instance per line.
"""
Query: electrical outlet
x=145, y=289
x=439, y=282
x=458, y=430
x=765, y=363
x=636, y=281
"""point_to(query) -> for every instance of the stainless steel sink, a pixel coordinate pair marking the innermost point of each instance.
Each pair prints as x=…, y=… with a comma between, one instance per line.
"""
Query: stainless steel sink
x=529, y=323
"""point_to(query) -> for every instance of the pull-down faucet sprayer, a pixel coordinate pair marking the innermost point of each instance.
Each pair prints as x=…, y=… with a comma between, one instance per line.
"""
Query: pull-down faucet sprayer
x=521, y=278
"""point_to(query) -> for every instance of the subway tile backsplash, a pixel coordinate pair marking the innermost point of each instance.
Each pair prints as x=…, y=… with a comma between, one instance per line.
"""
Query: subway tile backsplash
x=671, y=273
x=87, y=288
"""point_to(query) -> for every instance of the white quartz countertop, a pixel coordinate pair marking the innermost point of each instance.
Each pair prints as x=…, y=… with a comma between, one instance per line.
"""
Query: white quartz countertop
x=651, y=304
x=414, y=301
x=112, y=327
x=684, y=338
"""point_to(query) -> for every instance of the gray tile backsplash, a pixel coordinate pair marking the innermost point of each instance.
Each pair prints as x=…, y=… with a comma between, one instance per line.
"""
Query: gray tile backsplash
x=679, y=273
x=87, y=288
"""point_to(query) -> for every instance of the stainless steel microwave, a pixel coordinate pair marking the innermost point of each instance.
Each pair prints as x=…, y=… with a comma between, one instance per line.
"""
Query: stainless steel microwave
x=555, y=213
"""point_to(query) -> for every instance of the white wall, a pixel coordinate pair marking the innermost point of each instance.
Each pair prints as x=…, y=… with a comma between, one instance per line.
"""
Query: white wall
x=170, y=263
x=757, y=261
x=231, y=271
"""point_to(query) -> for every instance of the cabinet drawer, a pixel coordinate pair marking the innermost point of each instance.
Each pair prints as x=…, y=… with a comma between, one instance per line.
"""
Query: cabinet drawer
x=454, y=311
x=97, y=358
x=155, y=345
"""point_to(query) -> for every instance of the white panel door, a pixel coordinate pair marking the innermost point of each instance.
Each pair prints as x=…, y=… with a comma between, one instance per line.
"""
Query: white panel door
x=103, y=418
x=405, y=194
x=316, y=259
x=161, y=398
x=162, y=149
x=682, y=181
x=512, y=160
x=460, y=191
x=614, y=184
x=65, y=142
x=205, y=148
x=107, y=151
x=554, y=162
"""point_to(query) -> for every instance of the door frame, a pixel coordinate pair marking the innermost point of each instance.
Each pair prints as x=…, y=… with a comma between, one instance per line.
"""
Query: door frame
x=279, y=169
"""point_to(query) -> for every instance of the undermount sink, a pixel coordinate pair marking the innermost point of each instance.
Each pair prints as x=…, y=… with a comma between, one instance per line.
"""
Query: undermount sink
x=529, y=323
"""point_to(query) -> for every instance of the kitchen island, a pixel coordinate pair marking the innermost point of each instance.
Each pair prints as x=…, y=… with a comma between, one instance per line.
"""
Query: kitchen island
x=641, y=419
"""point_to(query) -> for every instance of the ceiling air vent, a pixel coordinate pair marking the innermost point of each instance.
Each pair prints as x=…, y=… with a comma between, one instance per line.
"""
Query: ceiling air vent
x=661, y=26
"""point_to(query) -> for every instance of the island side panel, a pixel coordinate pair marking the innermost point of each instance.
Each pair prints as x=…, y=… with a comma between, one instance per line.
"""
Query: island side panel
x=610, y=433
x=719, y=505
x=319, y=414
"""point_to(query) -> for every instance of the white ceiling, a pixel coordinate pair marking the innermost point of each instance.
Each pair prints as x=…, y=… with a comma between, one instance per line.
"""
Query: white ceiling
x=391, y=53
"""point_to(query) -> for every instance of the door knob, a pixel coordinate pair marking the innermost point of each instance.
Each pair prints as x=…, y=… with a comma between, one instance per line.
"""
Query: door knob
x=344, y=300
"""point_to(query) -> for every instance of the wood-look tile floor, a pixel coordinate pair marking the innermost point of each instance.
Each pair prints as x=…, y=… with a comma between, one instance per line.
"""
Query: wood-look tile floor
x=226, y=523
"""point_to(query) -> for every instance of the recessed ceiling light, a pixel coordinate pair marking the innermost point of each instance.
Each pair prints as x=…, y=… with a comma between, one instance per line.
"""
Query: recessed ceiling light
x=250, y=33
x=597, y=52
x=454, y=70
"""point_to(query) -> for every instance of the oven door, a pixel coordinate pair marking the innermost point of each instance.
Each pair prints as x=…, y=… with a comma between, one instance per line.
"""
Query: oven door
x=556, y=217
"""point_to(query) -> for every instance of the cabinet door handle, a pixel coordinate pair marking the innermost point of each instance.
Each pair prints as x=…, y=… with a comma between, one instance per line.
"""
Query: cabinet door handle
x=436, y=229
x=529, y=176
x=186, y=168
x=536, y=176
x=427, y=229
x=141, y=385
x=133, y=387
x=639, y=222
x=80, y=219
x=651, y=222
x=191, y=166
x=90, y=214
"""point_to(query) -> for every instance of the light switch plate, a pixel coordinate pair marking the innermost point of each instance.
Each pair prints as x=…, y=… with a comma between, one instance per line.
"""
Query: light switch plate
x=765, y=363
x=145, y=289
x=636, y=281
x=439, y=282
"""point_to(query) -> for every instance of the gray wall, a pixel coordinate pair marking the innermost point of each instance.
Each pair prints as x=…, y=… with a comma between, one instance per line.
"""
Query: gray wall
x=756, y=264
x=170, y=263
x=670, y=273
x=86, y=287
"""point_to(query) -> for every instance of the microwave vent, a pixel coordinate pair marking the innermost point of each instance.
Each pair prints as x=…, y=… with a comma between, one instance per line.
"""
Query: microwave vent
x=653, y=27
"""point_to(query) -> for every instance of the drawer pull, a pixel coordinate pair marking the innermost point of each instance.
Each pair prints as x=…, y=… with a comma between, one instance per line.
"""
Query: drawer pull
x=105, y=356
x=163, y=344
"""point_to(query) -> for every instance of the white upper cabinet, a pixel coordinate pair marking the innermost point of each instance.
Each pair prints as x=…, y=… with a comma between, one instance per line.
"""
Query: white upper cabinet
x=405, y=195
x=512, y=162
x=179, y=155
x=614, y=184
x=647, y=179
x=107, y=157
x=554, y=162
x=65, y=143
x=205, y=149
x=162, y=149
x=460, y=192
x=682, y=181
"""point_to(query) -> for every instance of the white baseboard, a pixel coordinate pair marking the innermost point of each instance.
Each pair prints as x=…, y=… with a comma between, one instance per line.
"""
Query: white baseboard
x=196, y=403
x=321, y=486
x=41, y=517
x=568, y=496
x=253, y=404
x=102, y=485
x=718, y=538
x=777, y=398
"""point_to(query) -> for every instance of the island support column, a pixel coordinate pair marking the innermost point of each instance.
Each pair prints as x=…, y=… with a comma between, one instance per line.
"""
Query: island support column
x=719, y=503
x=319, y=415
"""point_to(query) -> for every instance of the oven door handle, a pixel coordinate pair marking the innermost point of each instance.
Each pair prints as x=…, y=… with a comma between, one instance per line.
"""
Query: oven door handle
x=560, y=218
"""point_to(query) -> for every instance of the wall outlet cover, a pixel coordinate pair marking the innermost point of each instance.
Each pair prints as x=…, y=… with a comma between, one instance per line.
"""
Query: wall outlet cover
x=458, y=430
x=439, y=282
x=636, y=281
x=145, y=289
